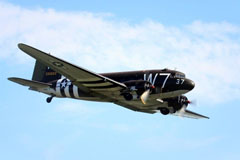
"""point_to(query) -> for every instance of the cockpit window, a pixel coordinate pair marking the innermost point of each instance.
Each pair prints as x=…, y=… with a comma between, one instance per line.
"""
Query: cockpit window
x=179, y=75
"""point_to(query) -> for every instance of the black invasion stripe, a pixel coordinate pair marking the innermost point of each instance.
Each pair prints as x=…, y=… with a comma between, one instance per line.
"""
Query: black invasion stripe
x=80, y=94
x=71, y=91
x=62, y=92
x=103, y=87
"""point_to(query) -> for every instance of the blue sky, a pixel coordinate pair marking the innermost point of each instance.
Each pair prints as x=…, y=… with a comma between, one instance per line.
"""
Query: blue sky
x=198, y=38
x=168, y=12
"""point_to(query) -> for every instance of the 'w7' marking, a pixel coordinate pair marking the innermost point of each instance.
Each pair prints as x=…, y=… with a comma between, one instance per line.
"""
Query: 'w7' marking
x=152, y=80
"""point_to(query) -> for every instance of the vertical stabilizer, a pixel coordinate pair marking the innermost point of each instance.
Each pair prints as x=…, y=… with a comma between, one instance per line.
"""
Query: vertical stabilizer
x=42, y=73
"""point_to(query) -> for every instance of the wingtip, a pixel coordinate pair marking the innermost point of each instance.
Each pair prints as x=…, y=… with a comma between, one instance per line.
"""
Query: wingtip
x=205, y=117
x=21, y=45
x=10, y=78
x=13, y=79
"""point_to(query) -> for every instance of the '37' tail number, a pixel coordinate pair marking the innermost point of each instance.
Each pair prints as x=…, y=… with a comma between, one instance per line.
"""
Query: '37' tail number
x=179, y=81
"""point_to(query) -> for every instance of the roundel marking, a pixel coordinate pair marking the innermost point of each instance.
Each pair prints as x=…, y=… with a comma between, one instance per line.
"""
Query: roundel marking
x=58, y=64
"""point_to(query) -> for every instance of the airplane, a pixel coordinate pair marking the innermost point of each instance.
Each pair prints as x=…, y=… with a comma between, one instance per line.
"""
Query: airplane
x=148, y=91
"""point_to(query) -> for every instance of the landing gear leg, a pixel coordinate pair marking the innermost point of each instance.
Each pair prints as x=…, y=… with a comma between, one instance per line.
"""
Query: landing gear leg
x=49, y=99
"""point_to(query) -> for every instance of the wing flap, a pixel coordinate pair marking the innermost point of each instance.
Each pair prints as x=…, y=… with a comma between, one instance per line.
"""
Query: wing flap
x=29, y=83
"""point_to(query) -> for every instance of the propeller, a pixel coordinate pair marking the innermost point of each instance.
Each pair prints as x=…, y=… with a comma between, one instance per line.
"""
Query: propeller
x=145, y=95
x=182, y=110
x=184, y=106
x=184, y=101
x=193, y=102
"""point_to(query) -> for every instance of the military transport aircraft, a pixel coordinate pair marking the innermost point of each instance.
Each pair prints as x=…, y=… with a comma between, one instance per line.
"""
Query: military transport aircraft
x=148, y=91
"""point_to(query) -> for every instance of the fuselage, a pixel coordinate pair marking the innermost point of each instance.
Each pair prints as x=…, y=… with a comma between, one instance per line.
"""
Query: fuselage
x=167, y=83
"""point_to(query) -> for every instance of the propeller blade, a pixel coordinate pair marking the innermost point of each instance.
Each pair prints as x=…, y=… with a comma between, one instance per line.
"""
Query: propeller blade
x=144, y=96
x=193, y=102
x=182, y=110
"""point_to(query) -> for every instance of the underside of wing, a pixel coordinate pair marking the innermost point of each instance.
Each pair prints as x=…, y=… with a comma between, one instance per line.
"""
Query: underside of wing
x=83, y=78
x=190, y=114
x=135, y=107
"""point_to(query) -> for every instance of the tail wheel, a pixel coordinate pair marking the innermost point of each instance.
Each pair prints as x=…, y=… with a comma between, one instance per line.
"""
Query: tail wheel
x=49, y=99
x=164, y=111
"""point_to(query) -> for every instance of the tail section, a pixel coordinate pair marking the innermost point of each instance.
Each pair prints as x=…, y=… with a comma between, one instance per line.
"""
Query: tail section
x=44, y=74
x=43, y=80
x=43, y=77
x=32, y=84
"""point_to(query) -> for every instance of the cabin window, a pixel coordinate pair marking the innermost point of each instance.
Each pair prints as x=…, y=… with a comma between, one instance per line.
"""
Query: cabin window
x=179, y=75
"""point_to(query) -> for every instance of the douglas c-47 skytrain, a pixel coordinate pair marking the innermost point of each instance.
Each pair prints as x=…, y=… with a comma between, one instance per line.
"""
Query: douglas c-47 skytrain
x=148, y=91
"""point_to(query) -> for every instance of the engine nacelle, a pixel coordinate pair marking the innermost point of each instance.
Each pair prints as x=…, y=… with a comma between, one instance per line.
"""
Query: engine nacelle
x=178, y=102
x=139, y=86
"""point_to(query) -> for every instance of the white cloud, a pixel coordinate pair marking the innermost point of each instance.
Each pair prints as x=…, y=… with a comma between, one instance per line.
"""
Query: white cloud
x=209, y=53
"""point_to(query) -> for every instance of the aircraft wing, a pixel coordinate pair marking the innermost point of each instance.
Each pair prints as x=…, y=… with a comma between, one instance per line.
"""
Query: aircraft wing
x=190, y=114
x=86, y=80
x=137, y=106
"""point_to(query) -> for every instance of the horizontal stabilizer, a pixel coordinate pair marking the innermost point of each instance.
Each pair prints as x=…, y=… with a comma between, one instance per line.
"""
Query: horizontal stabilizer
x=32, y=84
x=190, y=114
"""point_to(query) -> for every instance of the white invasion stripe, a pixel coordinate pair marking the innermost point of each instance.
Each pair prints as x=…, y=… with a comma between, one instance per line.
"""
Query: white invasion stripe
x=75, y=91
x=58, y=92
x=66, y=91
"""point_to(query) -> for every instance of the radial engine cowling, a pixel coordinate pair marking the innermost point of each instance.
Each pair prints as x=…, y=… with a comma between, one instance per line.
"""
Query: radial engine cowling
x=139, y=86
x=178, y=102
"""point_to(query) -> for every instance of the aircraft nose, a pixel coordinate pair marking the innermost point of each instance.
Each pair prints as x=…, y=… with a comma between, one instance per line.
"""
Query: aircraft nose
x=189, y=84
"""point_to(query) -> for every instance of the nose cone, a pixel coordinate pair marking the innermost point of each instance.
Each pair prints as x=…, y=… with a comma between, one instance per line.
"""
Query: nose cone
x=189, y=84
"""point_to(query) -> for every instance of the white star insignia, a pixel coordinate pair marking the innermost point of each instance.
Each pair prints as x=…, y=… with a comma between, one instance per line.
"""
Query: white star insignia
x=63, y=84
